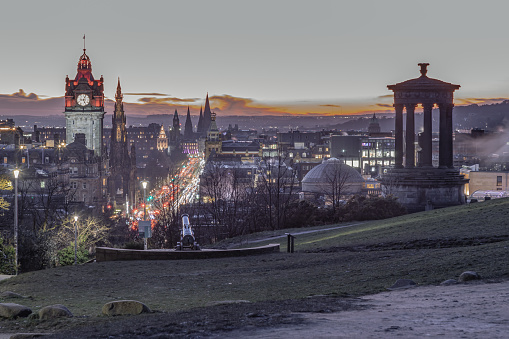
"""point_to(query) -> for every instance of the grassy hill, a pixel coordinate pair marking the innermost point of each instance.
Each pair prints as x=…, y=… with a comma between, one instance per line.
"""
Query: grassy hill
x=428, y=247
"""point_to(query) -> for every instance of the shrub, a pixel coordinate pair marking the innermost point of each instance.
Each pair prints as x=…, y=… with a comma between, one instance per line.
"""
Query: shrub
x=7, y=258
x=300, y=214
x=66, y=256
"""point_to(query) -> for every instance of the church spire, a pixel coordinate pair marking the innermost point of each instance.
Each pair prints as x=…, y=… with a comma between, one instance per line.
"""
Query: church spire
x=206, y=114
x=118, y=114
x=118, y=95
x=199, y=128
x=188, y=130
x=176, y=122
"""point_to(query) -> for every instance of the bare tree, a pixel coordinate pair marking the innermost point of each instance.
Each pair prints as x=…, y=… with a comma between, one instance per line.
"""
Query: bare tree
x=226, y=191
x=337, y=176
x=276, y=186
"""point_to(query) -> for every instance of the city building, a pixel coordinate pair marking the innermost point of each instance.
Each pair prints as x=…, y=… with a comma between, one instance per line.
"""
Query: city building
x=84, y=106
x=10, y=134
x=122, y=165
x=213, y=143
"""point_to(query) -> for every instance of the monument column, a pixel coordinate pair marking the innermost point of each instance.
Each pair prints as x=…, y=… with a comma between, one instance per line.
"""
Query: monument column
x=398, y=142
x=449, y=157
x=410, y=136
x=427, y=146
x=444, y=137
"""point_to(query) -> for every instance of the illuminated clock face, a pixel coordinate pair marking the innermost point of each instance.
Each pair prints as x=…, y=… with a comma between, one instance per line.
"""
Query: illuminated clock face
x=83, y=99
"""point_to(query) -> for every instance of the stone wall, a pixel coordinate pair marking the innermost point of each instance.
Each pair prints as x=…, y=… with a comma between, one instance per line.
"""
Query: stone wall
x=112, y=254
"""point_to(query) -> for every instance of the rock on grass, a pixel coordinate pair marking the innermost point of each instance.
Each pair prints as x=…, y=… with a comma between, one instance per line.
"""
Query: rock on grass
x=125, y=307
x=468, y=276
x=54, y=311
x=11, y=310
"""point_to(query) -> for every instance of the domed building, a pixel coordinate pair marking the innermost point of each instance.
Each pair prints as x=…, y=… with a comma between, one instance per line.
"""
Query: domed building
x=333, y=177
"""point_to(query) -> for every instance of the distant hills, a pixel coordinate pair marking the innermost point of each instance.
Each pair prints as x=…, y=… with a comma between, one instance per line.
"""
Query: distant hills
x=490, y=117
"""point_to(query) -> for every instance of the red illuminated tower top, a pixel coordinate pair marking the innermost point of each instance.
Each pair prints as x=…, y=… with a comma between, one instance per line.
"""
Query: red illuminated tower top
x=84, y=86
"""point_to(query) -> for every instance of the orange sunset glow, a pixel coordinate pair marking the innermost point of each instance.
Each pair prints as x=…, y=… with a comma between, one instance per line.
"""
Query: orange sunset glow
x=140, y=104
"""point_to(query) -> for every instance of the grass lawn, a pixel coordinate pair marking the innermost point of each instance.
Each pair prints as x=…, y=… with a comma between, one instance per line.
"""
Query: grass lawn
x=428, y=247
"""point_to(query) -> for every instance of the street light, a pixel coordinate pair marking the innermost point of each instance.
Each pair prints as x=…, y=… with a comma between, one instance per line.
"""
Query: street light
x=16, y=174
x=75, y=240
x=144, y=184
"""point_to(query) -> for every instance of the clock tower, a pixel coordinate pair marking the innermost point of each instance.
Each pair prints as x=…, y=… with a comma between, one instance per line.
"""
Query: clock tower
x=84, y=106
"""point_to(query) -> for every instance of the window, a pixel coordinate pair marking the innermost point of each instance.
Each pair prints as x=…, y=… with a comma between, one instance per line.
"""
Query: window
x=23, y=160
x=5, y=160
x=499, y=180
x=43, y=184
x=84, y=185
x=74, y=185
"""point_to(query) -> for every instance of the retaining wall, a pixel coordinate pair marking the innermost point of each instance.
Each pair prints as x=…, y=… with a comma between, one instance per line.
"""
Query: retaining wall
x=112, y=254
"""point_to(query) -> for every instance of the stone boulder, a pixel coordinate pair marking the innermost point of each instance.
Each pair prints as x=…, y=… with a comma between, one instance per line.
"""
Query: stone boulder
x=469, y=276
x=11, y=310
x=125, y=307
x=54, y=311
x=402, y=283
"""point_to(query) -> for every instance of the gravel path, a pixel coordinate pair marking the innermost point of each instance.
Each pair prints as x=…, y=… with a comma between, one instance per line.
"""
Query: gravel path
x=294, y=234
x=458, y=311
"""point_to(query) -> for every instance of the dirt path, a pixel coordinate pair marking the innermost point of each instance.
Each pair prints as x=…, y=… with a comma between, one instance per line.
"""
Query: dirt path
x=460, y=311
x=293, y=233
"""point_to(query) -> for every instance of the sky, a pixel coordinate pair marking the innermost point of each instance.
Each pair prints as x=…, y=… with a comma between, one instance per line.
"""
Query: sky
x=253, y=58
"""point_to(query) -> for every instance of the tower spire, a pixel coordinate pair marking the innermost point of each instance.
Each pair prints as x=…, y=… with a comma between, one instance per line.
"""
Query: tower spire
x=118, y=95
x=188, y=130
x=84, y=48
x=199, y=128
x=206, y=114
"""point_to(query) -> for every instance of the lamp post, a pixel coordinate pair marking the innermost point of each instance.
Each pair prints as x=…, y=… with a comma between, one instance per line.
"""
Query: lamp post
x=75, y=240
x=144, y=184
x=16, y=174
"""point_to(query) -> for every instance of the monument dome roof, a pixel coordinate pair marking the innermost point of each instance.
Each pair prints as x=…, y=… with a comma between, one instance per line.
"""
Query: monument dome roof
x=327, y=170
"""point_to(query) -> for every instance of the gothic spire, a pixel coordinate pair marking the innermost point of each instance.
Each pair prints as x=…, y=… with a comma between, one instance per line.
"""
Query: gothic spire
x=176, y=122
x=199, y=128
x=206, y=114
x=118, y=114
x=188, y=130
x=118, y=95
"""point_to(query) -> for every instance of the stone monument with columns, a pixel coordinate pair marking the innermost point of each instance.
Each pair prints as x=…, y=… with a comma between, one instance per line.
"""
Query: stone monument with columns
x=422, y=186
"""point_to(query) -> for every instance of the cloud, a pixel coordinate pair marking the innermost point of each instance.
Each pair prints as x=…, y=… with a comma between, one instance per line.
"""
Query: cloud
x=31, y=104
x=166, y=100
x=148, y=94
x=243, y=106
x=479, y=101
x=21, y=103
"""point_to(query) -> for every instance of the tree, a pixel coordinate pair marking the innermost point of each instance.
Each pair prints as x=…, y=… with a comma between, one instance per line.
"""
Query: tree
x=226, y=191
x=276, y=188
x=5, y=185
x=337, y=176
